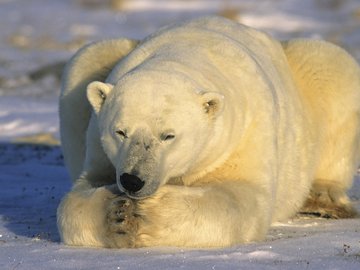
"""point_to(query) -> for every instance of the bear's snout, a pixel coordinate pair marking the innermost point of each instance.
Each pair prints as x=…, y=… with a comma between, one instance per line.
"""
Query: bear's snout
x=131, y=183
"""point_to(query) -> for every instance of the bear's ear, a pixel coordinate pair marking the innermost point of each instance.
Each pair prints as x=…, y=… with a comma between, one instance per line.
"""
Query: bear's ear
x=213, y=103
x=97, y=93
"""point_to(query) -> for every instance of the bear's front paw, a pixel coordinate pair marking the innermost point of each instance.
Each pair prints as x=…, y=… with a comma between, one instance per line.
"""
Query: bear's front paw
x=122, y=222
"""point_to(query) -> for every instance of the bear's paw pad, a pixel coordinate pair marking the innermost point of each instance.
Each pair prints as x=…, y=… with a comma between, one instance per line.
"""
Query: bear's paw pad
x=121, y=222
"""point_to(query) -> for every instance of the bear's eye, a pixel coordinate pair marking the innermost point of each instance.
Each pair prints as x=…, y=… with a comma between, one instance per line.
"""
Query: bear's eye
x=167, y=136
x=121, y=133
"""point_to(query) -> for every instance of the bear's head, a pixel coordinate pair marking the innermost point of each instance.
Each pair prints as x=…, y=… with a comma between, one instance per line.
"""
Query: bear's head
x=154, y=127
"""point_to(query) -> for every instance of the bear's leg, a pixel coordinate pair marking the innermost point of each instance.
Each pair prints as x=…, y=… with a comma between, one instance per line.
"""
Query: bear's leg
x=334, y=176
x=82, y=214
x=328, y=79
x=328, y=201
x=214, y=215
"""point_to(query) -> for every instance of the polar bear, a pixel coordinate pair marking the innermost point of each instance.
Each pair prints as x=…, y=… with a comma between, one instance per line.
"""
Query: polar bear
x=203, y=134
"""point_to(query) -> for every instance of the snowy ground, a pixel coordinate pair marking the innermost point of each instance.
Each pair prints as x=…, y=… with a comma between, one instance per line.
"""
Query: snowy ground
x=33, y=180
x=38, y=36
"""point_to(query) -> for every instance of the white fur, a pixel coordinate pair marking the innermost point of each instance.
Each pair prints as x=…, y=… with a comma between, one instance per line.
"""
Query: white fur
x=228, y=128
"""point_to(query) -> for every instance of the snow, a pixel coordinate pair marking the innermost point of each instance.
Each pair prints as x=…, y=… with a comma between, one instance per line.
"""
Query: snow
x=27, y=116
x=38, y=36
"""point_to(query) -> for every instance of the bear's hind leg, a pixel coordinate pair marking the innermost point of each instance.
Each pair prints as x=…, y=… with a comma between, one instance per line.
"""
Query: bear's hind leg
x=328, y=80
x=338, y=162
x=328, y=201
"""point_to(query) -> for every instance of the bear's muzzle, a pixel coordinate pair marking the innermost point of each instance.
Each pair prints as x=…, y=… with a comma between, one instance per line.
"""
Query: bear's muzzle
x=131, y=182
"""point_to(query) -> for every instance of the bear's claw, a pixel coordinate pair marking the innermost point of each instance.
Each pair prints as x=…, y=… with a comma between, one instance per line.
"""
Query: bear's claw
x=121, y=222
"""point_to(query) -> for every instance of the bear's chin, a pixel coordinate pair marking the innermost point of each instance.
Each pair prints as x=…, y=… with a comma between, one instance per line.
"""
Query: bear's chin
x=142, y=194
x=137, y=196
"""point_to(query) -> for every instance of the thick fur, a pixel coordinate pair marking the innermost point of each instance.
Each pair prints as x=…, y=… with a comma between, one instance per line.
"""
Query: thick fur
x=82, y=69
x=230, y=130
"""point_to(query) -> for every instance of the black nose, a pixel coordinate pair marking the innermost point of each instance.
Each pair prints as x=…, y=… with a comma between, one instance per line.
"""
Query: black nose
x=131, y=182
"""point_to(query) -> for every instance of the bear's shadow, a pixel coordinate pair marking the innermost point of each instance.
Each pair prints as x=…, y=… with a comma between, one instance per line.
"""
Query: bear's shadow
x=34, y=180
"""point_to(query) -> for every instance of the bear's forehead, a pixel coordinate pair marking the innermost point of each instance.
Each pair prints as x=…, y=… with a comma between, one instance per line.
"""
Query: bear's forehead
x=147, y=102
x=155, y=86
x=152, y=97
x=154, y=109
x=138, y=98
